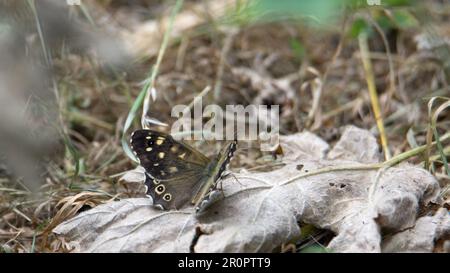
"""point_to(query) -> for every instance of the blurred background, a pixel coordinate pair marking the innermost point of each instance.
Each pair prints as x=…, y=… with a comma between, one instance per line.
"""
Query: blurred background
x=71, y=75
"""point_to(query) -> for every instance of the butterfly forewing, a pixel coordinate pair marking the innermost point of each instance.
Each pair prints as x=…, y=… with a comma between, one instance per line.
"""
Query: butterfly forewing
x=163, y=157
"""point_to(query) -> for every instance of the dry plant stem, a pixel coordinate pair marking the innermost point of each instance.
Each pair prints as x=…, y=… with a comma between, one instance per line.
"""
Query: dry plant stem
x=302, y=72
x=365, y=167
x=179, y=63
x=345, y=107
x=89, y=119
x=364, y=47
x=392, y=87
x=432, y=116
x=226, y=48
x=318, y=86
x=432, y=131
x=196, y=99
x=437, y=156
x=45, y=51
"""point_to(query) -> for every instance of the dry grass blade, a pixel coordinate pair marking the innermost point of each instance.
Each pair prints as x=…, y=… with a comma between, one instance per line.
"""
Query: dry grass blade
x=70, y=205
x=432, y=131
x=364, y=47
x=392, y=87
x=223, y=61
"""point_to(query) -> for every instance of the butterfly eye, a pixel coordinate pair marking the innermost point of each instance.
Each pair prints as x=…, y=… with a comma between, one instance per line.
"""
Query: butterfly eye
x=167, y=197
x=160, y=189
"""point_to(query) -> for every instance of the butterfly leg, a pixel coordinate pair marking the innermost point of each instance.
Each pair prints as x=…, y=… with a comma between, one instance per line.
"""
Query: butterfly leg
x=230, y=174
x=220, y=188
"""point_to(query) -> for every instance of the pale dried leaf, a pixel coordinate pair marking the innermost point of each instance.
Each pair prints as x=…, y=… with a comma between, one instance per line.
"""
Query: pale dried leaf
x=422, y=236
x=261, y=211
x=350, y=143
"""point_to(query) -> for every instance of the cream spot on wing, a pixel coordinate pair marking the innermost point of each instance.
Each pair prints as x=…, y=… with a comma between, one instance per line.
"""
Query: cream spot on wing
x=149, y=149
x=174, y=149
x=156, y=164
x=159, y=141
x=163, y=173
x=182, y=155
x=148, y=137
x=173, y=169
x=161, y=155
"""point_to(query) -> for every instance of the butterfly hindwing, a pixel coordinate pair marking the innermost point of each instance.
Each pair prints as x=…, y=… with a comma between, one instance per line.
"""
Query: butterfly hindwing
x=173, y=193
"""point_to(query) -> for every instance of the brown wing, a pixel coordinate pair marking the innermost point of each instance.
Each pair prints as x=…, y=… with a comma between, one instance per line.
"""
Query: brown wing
x=174, y=170
x=173, y=193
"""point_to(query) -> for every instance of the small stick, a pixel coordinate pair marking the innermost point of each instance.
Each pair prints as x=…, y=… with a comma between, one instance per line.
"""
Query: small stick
x=373, y=93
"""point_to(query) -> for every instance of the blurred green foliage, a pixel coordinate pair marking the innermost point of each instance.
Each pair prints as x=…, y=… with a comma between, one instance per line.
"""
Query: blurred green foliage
x=297, y=48
x=396, y=19
x=322, y=11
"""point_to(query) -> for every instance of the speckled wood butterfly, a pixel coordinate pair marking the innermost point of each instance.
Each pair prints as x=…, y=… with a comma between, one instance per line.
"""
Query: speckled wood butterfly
x=177, y=173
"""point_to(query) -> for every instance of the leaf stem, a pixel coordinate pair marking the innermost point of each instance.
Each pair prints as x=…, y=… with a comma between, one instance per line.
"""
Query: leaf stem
x=367, y=167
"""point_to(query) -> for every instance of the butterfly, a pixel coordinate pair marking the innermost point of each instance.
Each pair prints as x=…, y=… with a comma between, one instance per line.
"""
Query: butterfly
x=175, y=173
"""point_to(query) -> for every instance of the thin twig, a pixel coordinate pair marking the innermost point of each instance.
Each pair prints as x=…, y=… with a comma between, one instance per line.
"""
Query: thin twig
x=223, y=56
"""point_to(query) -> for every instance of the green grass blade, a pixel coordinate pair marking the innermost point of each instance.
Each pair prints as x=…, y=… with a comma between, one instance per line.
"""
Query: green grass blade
x=149, y=83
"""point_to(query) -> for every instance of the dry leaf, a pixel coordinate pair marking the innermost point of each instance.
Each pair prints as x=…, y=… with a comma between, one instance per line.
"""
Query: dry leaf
x=422, y=237
x=261, y=211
